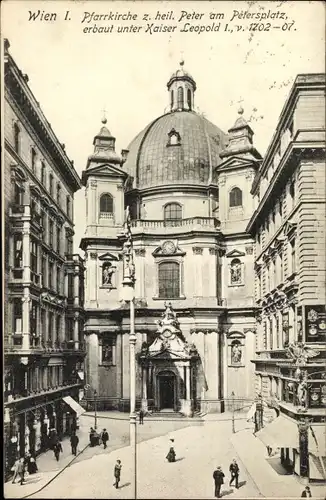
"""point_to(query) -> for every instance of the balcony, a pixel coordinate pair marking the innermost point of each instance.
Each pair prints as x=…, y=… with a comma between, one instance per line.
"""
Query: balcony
x=17, y=209
x=172, y=226
x=13, y=344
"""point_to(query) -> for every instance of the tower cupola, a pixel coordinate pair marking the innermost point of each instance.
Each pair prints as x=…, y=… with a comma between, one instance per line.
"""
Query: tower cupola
x=104, y=147
x=181, y=87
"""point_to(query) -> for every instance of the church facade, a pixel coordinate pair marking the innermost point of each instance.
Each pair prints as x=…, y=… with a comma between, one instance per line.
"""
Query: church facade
x=187, y=188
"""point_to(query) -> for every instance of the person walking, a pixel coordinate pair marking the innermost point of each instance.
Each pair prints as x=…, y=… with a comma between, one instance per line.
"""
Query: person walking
x=105, y=437
x=57, y=449
x=306, y=493
x=74, y=440
x=141, y=417
x=218, y=476
x=117, y=473
x=31, y=465
x=19, y=470
x=234, y=471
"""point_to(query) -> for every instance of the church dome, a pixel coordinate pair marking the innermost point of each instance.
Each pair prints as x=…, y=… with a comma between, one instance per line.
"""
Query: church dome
x=180, y=147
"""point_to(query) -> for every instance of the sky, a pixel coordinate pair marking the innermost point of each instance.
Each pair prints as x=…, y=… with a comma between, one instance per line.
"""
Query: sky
x=253, y=56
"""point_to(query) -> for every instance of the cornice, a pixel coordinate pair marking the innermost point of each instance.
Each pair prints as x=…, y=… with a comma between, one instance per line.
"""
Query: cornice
x=23, y=97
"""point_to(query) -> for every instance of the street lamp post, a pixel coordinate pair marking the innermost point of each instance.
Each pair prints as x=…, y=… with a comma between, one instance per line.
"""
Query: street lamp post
x=233, y=423
x=129, y=288
x=95, y=409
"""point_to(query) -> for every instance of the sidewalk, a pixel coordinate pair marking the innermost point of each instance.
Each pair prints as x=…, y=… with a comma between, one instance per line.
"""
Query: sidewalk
x=252, y=453
x=47, y=465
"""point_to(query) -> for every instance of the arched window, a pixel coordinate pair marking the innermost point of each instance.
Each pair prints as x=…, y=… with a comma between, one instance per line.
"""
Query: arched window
x=180, y=97
x=106, y=204
x=172, y=211
x=169, y=280
x=17, y=138
x=235, y=272
x=235, y=197
x=189, y=99
x=172, y=98
x=33, y=160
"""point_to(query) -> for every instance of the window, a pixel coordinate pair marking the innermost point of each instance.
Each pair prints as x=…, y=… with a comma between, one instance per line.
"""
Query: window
x=189, y=99
x=33, y=160
x=281, y=267
x=68, y=205
x=169, y=280
x=235, y=272
x=43, y=172
x=50, y=329
x=235, y=197
x=277, y=328
x=44, y=270
x=58, y=321
x=18, y=195
x=51, y=233
x=106, y=204
x=173, y=211
x=17, y=316
x=58, y=279
x=70, y=286
x=58, y=193
x=292, y=190
x=291, y=128
x=293, y=256
x=58, y=239
x=172, y=98
x=51, y=185
x=17, y=138
x=33, y=256
x=33, y=318
x=18, y=249
x=43, y=217
x=271, y=334
x=50, y=280
x=180, y=97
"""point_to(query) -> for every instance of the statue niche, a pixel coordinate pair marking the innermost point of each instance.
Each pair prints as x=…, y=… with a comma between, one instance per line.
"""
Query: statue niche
x=107, y=272
x=236, y=352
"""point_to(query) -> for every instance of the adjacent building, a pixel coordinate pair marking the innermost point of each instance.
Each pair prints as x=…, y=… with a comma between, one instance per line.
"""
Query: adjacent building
x=43, y=279
x=288, y=225
x=188, y=188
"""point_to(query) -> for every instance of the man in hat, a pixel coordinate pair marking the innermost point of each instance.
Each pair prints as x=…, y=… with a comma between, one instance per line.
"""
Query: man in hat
x=218, y=476
x=234, y=471
x=74, y=440
x=306, y=493
x=117, y=473
x=105, y=437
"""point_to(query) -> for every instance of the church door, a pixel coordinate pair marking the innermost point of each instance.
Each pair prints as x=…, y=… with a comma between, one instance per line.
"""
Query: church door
x=167, y=390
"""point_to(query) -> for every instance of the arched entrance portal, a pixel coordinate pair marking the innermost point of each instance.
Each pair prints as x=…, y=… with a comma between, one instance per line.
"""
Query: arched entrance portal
x=167, y=390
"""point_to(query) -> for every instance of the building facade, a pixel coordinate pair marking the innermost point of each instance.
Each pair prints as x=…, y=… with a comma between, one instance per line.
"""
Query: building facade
x=187, y=186
x=43, y=279
x=288, y=225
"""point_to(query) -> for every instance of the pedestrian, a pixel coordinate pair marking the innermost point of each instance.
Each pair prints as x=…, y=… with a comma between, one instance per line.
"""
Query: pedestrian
x=91, y=436
x=19, y=470
x=141, y=416
x=306, y=493
x=74, y=440
x=117, y=473
x=57, y=449
x=234, y=471
x=171, y=455
x=31, y=465
x=218, y=476
x=105, y=437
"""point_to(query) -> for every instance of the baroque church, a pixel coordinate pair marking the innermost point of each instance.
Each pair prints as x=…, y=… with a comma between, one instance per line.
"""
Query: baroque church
x=187, y=186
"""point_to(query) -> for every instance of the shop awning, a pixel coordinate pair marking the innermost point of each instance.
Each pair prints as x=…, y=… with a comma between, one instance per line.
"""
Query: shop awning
x=281, y=433
x=74, y=405
x=317, y=440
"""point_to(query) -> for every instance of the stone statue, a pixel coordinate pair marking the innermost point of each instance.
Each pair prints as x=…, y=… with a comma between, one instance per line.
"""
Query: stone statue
x=236, y=353
x=235, y=272
x=106, y=353
x=302, y=393
x=107, y=273
x=300, y=353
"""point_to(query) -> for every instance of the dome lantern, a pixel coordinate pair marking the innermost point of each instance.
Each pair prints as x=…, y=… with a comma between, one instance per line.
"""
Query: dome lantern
x=181, y=87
